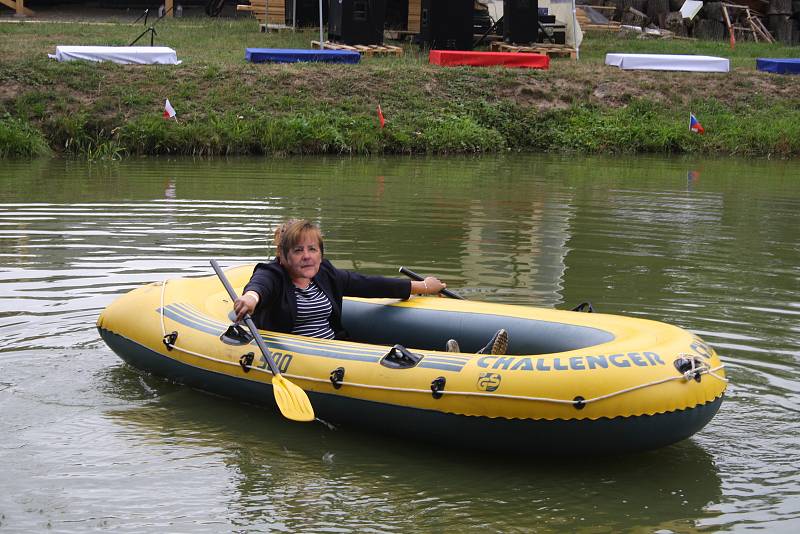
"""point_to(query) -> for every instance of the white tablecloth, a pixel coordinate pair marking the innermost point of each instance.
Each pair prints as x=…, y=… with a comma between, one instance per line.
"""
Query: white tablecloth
x=669, y=62
x=140, y=55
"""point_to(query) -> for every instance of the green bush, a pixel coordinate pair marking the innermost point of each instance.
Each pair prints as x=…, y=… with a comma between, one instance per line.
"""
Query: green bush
x=18, y=139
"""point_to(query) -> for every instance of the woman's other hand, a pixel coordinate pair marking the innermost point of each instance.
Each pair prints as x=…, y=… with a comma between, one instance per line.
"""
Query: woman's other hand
x=434, y=285
x=430, y=286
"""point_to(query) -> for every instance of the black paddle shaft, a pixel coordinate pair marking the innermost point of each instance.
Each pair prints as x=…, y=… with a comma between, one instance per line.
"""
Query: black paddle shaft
x=414, y=276
x=247, y=320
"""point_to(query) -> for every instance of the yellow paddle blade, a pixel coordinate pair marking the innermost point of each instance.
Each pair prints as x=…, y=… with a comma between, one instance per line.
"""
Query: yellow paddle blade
x=292, y=400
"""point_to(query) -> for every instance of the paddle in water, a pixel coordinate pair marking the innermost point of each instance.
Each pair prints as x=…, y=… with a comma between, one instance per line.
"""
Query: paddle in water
x=290, y=398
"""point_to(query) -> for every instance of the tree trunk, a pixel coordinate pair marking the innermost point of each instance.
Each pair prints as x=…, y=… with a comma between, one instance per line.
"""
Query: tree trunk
x=711, y=30
x=713, y=11
x=674, y=22
x=657, y=10
x=780, y=7
x=775, y=22
x=785, y=31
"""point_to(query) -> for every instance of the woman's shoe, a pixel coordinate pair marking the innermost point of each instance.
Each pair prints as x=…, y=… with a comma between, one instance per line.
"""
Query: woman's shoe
x=498, y=344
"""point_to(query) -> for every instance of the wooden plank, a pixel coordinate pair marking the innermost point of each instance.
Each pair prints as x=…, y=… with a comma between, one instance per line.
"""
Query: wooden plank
x=275, y=28
x=364, y=50
x=547, y=49
x=414, y=15
x=613, y=26
x=167, y=8
x=19, y=7
x=276, y=12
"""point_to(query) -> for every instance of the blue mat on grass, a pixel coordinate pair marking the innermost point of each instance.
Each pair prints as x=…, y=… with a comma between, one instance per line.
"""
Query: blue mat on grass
x=778, y=66
x=295, y=55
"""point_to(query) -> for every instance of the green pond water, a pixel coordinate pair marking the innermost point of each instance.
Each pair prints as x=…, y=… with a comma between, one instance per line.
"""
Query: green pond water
x=88, y=443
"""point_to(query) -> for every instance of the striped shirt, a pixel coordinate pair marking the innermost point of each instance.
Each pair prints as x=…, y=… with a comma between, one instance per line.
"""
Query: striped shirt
x=313, y=313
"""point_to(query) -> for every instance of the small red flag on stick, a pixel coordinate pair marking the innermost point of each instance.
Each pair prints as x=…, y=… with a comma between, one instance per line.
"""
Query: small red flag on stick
x=169, y=111
x=380, y=116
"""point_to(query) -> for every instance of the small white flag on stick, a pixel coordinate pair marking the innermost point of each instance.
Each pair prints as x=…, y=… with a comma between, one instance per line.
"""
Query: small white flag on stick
x=169, y=111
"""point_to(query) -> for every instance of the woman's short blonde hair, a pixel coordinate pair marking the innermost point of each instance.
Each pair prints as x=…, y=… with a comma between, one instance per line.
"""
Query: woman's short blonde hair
x=292, y=231
x=276, y=238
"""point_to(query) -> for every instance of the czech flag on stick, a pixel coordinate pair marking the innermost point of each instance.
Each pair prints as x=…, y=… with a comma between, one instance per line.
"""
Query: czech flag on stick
x=380, y=116
x=169, y=111
x=694, y=125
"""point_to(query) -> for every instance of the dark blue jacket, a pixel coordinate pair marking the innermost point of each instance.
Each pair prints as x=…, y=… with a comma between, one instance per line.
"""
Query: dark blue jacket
x=277, y=305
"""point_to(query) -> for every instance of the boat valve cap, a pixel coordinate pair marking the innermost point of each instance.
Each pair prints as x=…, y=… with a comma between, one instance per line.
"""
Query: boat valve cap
x=690, y=367
x=337, y=375
x=169, y=340
x=437, y=386
x=246, y=361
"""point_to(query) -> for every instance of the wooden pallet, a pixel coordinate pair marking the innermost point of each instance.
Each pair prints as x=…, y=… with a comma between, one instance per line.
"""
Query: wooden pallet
x=364, y=50
x=586, y=23
x=549, y=50
x=19, y=7
x=269, y=15
x=612, y=26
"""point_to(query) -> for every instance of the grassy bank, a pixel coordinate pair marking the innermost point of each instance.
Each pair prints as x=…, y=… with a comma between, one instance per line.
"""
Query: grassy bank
x=226, y=106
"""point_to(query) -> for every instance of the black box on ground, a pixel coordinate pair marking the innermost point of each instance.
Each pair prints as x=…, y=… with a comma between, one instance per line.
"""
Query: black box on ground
x=307, y=12
x=446, y=24
x=356, y=21
x=520, y=21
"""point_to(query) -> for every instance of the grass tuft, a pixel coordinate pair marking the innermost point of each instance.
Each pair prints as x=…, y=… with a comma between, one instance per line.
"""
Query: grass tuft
x=18, y=139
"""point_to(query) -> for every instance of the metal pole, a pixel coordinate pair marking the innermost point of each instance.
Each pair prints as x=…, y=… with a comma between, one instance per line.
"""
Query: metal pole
x=294, y=15
x=321, y=41
x=575, y=31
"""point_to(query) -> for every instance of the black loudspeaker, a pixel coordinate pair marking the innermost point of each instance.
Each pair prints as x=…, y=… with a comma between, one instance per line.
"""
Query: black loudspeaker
x=520, y=21
x=307, y=12
x=356, y=21
x=446, y=24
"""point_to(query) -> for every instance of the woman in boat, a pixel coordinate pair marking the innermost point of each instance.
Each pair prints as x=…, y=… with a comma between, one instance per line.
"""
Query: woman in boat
x=301, y=292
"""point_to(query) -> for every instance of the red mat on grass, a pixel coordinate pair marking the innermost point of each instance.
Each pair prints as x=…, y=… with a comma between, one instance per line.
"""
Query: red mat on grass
x=448, y=58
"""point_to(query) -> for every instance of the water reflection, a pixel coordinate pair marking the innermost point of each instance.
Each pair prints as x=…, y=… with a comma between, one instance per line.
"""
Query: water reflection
x=91, y=443
x=273, y=465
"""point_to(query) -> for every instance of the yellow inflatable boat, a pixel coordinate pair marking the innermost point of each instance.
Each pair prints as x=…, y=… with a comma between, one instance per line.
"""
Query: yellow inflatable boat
x=570, y=382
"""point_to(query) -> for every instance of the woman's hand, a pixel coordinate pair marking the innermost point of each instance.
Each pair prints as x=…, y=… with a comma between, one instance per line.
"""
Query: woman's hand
x=245, y=305
x=430, y=286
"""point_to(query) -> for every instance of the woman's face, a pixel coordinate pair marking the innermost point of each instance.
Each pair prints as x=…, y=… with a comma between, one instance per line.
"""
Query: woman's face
x=304, y=258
